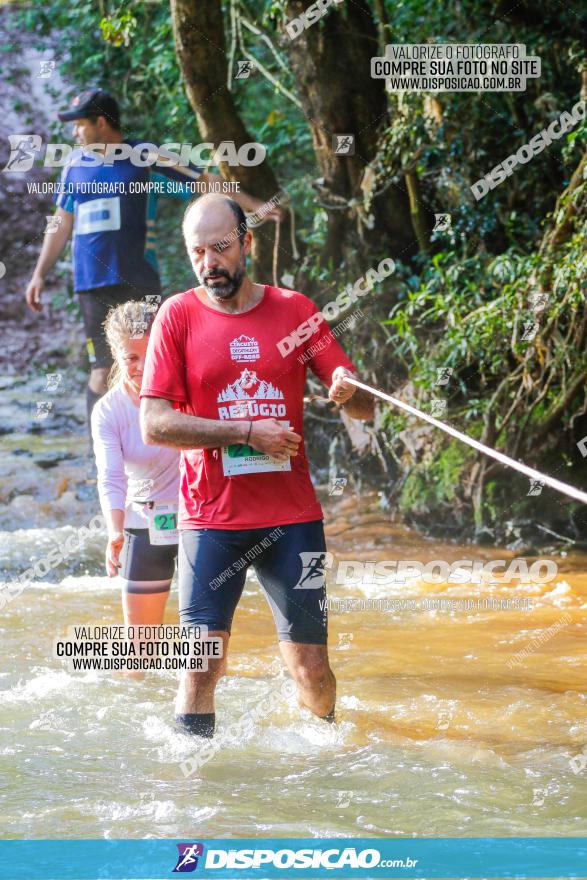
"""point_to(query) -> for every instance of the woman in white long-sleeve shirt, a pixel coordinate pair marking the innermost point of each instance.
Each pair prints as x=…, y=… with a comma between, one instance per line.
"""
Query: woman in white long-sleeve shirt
x=138, y=484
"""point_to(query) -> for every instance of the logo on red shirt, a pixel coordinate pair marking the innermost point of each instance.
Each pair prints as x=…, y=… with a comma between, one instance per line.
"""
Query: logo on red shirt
x=244, y=348
x=250, y=396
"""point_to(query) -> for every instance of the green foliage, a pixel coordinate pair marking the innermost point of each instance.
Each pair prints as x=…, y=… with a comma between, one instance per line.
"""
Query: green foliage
x=127, y=49
x=464, y=305
x=437, y=482
x=118, y=29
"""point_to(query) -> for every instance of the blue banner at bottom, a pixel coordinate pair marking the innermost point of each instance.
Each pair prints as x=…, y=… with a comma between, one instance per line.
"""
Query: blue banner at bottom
x=367, y=858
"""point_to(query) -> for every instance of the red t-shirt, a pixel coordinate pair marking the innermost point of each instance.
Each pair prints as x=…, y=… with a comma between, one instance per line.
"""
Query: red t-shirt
x=228, y=366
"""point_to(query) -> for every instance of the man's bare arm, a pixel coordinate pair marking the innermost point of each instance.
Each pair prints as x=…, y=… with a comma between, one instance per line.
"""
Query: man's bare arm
x=53, y=246
x=357, y=403
x=360, y=406
x=162, y=425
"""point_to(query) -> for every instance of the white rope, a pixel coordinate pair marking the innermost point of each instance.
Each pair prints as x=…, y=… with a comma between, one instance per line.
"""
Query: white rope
x=533, y=474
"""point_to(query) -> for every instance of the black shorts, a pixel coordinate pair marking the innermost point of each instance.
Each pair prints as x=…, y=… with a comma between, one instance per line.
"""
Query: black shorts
x=142, y=561
x=289, y=561
x=94, y=306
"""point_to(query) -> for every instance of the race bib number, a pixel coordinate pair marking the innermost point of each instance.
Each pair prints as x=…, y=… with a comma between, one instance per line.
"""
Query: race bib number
x=163, y=524
x=97, y=215
x=239, y=458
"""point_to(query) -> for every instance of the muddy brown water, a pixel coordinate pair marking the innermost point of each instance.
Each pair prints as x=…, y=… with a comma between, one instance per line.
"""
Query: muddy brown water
x=454, y=717
x=461, y=717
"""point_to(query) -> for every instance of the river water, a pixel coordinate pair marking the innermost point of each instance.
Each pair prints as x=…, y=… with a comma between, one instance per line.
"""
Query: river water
x=464, y=721
x=451, y=721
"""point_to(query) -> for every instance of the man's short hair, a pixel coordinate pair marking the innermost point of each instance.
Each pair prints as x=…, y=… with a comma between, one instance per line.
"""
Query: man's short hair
x=241, y=227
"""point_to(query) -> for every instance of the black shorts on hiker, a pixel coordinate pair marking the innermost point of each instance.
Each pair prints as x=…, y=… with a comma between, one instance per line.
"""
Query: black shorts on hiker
x=142, y=561
x=94, y=306
x=289, y=562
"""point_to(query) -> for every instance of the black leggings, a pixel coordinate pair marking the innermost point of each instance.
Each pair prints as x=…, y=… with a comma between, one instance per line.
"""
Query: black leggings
x=143, y=562
x=289, y=561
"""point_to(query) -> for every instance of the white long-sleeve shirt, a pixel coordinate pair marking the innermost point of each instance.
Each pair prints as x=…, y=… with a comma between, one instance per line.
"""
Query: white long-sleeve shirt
x=129, y=471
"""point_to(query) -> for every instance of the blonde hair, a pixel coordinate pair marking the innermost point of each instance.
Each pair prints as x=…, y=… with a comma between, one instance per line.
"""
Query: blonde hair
x=123, y=322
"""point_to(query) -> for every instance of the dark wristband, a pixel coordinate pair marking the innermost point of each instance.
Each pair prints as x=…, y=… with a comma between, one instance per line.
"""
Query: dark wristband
x=249, y=434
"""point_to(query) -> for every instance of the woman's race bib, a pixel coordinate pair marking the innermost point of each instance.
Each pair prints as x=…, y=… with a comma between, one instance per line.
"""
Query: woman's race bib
x=163, y=523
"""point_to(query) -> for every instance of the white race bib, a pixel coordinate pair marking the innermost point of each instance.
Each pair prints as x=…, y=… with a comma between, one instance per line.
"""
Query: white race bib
x=163, y=523
x=240, y=458
x=97, y=215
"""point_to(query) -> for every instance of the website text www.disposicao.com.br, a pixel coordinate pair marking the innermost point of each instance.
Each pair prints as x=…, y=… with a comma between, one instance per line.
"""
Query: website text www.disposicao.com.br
x=329, y=859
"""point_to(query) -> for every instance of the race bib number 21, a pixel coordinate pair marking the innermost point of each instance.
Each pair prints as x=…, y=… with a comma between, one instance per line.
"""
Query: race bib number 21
x=163, y=524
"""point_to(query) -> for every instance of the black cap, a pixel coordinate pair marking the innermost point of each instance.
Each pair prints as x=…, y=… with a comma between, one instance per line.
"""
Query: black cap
x=93, y=102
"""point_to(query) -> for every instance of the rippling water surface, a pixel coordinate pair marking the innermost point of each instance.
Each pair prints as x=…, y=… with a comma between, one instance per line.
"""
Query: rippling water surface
x=437, y=734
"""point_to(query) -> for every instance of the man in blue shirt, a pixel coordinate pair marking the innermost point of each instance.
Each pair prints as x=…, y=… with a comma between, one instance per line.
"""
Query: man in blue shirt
x=110, y=207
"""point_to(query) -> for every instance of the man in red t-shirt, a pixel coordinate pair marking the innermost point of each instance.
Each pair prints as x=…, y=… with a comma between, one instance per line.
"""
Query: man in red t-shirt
x=217, y=386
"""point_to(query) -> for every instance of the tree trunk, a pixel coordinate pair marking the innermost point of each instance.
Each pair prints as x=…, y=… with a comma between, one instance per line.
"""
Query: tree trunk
x=383, y=26
x=566, y=209
x=198, y=29
x=419, y=223
x=331, y=61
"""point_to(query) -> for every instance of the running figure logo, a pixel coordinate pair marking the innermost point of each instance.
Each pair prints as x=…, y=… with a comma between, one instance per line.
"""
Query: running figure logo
x=337, y=485
x=438, y=406
x=539, y=301
x=244, y=70
x=44, y=408
x=530, y=331
x=248, y=379
x=313, y=565
x=443, y=375
x=53, y=223
x=442, y=222
x=343, y=144
x=187, y=860
x=536, y=487
x=138, y=329
x=46, y=69
x=23, y=148
x=53, y=382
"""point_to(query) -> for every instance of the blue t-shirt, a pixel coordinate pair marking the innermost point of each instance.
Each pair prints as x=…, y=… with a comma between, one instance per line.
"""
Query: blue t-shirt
x=114, y=218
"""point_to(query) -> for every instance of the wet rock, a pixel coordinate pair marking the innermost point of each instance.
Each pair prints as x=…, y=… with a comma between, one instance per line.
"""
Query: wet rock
x=522, y=548
x=54, y=459
x=484, y=535
x=87, y=492
x=18, y=513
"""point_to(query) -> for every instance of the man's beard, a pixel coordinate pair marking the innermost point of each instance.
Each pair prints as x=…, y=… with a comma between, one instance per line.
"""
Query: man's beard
x=226, y=290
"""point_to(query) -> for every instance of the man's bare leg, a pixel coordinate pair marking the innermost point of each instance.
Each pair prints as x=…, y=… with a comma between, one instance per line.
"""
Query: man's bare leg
x=194, y=705
x=309, y=667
